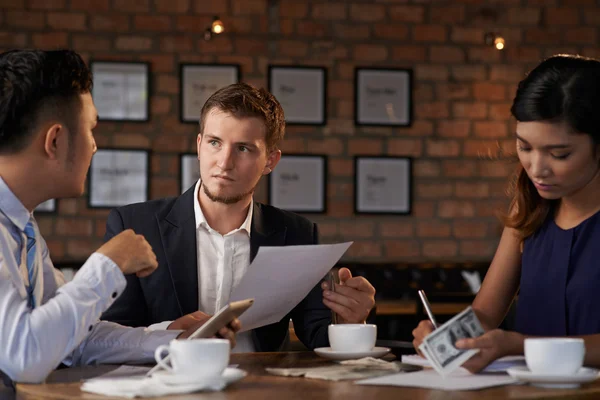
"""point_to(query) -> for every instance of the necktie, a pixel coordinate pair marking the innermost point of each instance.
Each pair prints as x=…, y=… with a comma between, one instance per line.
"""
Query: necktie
x=31, y=270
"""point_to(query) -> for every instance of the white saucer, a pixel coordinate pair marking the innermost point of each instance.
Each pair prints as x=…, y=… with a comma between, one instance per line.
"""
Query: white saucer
x=554, y=381
x=376, y=352
x=230, y=375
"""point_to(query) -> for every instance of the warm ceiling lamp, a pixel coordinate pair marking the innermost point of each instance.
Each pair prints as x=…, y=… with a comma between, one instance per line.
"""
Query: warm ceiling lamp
x=217, y=26
x=494, y=39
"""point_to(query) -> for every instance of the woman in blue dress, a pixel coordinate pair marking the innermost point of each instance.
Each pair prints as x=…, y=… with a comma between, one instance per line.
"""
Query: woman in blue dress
x=549, y=251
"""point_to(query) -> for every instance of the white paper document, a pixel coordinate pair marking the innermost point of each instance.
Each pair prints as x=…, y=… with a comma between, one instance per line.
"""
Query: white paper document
x=280, y=277
x=459, y=379
x=500, y=365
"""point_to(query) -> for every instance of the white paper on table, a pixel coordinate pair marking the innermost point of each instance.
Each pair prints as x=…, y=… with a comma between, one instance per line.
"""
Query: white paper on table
x=280, y=277
x=500, y=365
x=459, y=379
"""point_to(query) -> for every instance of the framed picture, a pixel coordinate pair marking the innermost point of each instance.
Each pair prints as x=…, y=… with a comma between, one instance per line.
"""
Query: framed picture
x=383, y=97
x=382, y=185
x=302, y=92
x=189, y=170
x=49, y=206
x=118, y=177
x=198, y=82
x=121, y=90
x=299, y=183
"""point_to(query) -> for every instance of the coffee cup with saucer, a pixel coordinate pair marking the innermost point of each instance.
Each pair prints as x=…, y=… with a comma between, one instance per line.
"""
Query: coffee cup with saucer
x=351, y=341
x=554, y=363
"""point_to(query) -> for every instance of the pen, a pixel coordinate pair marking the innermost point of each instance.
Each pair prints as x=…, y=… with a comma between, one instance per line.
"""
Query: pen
x=427, y=307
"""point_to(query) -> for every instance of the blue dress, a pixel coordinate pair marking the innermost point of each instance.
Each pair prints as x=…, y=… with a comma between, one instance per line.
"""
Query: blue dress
x=560, y=280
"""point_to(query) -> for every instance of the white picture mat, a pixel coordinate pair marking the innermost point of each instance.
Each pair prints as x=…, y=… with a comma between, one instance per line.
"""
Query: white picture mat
x=118, y=177
x=190, y=171
x=301, y=93
x=120, y=91
x=383, y=185
x=383, y=97
x=297, y=183
x=199, y=82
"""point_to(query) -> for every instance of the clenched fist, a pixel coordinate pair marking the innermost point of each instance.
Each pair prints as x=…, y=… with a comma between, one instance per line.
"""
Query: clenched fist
x=131, y=252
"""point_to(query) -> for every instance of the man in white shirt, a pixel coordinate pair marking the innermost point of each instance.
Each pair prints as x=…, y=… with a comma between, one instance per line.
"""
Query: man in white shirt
x=46, y=144
x=206, y=238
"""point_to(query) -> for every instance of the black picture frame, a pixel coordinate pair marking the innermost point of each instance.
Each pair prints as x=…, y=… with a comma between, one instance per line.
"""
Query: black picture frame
x=188, y=175
x=383, y=96
x=122, y=90
x=100, y=186
x=207, y=78
x=375, y=194
x=301, y=91
x=298, y=167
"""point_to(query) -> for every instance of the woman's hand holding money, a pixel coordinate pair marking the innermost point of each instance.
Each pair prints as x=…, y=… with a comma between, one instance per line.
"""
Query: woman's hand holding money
x=492, y=345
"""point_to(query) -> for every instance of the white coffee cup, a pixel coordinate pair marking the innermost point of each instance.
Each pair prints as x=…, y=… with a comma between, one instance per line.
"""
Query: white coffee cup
x=352, y=337
x=554, y=356
x=199, y=358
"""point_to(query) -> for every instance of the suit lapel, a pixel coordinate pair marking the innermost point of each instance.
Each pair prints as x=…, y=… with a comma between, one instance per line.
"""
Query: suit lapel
x=265, y=231
x=178, y=235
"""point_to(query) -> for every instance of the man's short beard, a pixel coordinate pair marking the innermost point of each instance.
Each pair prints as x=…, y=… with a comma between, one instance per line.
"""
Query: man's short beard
x=225, y=199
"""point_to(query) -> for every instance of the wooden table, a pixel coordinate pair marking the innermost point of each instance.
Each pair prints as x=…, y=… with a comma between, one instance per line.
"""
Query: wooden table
x=409, y=307
x=64, y=384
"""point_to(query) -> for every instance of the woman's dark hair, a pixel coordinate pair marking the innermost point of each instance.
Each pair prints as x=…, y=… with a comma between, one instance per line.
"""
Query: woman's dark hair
x=35, y=84
x=562, y=89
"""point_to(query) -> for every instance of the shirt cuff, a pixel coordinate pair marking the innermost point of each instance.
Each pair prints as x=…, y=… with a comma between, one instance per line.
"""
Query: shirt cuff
x=103, y=275
x=160, y=326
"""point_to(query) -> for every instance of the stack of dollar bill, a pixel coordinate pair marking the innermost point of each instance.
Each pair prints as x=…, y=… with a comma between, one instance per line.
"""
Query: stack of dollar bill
x=438, y=347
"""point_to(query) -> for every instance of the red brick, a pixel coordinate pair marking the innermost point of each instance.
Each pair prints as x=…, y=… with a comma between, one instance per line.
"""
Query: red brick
x=250, y=46
x=340, y=209
x=447, y=14
x=443, y=148
x=456, y=208
x=425, y=72
x=440, y=248
x=160, y=105
x=424, y=209
x=582, y=35
x=561, y=16
x=354, y=229
x=452, y=91
x=506, y=73
x=365, y=146
x=339, y=190
x=292, y=48
x=292, y=145
x=459, y=168
x=469, y=110
x=173, y=6
x=292, y=9
x=478, y=249
x=422, y=92
x=133, y=6
x=167, y=84
x=367, y=12
x=402, y=249
x=472, y=189
x=249, y=7
x=352, y=31
x=426, y=168
x=469, y=73
x=484, y=54
x=370, y=52
x=90, y=43
x=405, y=147
x=522, y=54
x=432, y=110
x=67, y=206
x=133, y=43
x=414, y=14
x=429, y=33
x=110, y=23
x=163, y=187
x=50, y=40
x=56, y=248
x=311, y=28
x=491, y=208
x=340, y=167
x=540, y=36
x=489, y=91
x=396, y=229
x=90, y=5
x=25, y=19
x=467, y=35
x=240, y=25
x=364, y=249
x=592, y=16
x=496, y=168
x=446, y=54
x=13, y=4
x=524, y=16
x=454, y=128
x=73, y=227
x=67, y=21
x=176, y=44
x=135, y=140
x=345, y=70
x=480, y=148
x=469, y=229
x=341, y=89
x=47, y=4
x=390, y=31
x=433, y=229
x=192, y=23
x=328, y=229
x=409, y=53
x=331, y=11
x=419, y=128
x=152, y=23
x=329, y=146
x=341, y=126
x=500, y=111
x=490, y=129
x=434, y=190
x=172, y=143
x=344, y=109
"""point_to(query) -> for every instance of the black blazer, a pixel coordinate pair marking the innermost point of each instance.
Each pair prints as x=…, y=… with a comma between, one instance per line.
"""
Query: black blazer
x=172, y=290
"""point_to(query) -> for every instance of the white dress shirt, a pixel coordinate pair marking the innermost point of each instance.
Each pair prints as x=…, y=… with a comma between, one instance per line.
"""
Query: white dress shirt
x=222, y=263
x=63, y=326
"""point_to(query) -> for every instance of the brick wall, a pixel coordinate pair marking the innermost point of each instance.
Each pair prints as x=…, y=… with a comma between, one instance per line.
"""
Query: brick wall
x=462, y=95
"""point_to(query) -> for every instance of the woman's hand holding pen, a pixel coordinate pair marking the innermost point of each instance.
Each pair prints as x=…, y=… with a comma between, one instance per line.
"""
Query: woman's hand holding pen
x=424, y=328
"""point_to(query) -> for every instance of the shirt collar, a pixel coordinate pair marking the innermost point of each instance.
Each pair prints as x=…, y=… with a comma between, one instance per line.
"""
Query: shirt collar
x=12, y=207
x=201, y=219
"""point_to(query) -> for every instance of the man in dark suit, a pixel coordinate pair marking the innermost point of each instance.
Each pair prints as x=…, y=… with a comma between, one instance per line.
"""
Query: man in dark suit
x=205, y=239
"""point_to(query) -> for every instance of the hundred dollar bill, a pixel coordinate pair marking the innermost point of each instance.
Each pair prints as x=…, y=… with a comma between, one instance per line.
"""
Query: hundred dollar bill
x=438, y=347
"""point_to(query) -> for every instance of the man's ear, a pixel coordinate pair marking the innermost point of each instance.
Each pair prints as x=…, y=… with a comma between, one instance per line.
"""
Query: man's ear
x=198, y=143
x=272, y=160
x=55, y=138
